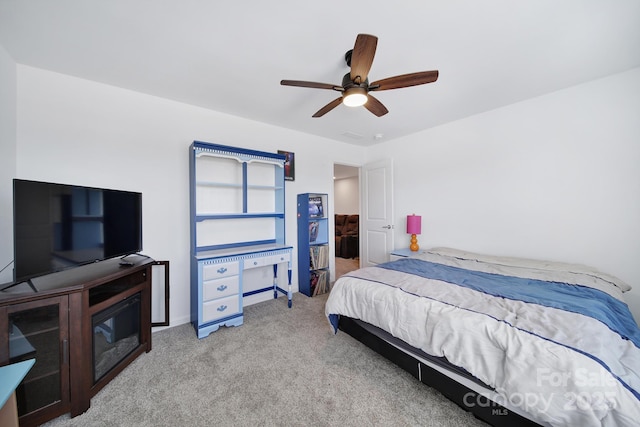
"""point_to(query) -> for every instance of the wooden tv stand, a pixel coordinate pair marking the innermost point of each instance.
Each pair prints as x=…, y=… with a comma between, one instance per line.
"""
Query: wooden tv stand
x=53, y=324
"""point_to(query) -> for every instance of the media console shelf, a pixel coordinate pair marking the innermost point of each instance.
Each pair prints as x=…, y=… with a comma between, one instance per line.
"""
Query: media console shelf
x=65, y=324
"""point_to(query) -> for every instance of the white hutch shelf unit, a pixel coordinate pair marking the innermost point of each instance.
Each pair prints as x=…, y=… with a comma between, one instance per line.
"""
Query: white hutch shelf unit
x=237, y=225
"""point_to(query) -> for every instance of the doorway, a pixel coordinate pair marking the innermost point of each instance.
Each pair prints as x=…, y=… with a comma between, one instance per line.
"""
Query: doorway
x=346, y=202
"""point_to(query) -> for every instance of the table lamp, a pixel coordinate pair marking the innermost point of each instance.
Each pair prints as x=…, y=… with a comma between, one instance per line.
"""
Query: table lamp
x=414, y=226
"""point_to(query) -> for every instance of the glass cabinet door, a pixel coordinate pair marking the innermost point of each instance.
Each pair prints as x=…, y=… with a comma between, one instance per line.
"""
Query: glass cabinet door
x=39, y=330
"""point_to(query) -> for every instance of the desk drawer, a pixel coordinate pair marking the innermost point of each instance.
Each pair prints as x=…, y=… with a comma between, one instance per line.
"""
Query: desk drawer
x=277, y=259
x=257, y=262
x=218, y=288
x=219, y=308
x=223, y=269
x=266, y=259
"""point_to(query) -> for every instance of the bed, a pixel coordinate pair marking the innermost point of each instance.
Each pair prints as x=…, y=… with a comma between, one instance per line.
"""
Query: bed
x=515, y=341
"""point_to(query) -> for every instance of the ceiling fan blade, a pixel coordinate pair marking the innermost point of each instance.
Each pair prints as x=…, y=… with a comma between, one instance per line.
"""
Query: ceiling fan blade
x=330, y=106
x=362, y=57
x=375, y=106
x=313, y=85
x=405, y=80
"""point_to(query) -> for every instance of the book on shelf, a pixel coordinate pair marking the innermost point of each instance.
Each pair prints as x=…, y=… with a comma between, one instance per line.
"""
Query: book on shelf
x=315, y=207
x=313, y=231
x=319, y=282
x=319, y=257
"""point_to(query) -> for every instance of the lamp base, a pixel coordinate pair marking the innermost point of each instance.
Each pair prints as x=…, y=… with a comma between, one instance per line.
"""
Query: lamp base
x=414, y=243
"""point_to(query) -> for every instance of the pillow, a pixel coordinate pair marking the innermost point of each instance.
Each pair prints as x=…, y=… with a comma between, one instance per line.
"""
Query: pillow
x=533, y=263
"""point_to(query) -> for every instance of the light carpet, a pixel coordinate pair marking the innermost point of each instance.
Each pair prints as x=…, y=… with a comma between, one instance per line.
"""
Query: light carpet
x=283, y=367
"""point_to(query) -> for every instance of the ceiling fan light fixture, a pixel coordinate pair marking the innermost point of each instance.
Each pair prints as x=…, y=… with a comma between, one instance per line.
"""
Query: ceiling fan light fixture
x=355, y=86
x=355, y=97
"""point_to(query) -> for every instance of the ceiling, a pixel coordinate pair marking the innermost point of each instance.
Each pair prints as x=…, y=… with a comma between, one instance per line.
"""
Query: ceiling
x=230, y=56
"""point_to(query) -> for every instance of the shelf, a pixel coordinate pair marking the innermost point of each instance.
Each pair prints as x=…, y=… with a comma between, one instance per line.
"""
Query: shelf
x=205, y=217
x=232, y=185
x=263, y=187
x=32, y=326
x=231, y=247
x=31, y=334
x=218, y=184
x=313, y=244
x=245, y=250
x=102, y=293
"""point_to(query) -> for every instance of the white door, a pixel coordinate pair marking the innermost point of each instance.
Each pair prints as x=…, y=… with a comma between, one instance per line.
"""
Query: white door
x=377, y=213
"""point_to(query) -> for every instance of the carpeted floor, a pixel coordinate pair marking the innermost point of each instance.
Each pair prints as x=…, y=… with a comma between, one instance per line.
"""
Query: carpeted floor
x=283, y=367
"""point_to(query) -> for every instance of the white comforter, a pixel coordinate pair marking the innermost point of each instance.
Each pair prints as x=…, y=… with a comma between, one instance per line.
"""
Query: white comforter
x=560, y=367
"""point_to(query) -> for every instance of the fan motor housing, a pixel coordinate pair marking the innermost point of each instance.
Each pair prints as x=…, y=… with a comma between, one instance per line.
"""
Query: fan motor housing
x=347, y=83
x=347, y=57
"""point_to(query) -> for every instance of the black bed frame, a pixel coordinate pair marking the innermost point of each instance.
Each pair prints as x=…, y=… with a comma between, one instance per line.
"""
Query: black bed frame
x=482, y=408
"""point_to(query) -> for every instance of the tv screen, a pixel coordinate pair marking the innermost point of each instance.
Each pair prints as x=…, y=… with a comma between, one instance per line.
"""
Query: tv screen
x=58, y=226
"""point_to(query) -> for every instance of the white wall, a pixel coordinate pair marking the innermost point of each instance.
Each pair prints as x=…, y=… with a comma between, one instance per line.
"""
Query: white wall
x=76, y=131
x=8, y=90
x=347, y=195
x=555, y=177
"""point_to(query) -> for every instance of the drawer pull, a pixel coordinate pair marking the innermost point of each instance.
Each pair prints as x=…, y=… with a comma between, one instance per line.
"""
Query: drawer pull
x=222, y=288
x=255, y=262
x=222, y=308
x=222, y=270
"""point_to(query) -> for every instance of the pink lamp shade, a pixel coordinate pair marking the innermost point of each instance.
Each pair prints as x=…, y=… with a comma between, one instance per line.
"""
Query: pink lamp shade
x=414, y=224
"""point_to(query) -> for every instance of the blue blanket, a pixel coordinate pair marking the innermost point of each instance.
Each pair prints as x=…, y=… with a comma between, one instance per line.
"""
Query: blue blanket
x=574, y=298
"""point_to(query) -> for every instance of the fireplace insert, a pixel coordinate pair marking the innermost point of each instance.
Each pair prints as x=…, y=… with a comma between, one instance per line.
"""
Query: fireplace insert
x=116, y=333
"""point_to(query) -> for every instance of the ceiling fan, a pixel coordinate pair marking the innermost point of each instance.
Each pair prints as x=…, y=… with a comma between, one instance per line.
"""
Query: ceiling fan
x=355, y=86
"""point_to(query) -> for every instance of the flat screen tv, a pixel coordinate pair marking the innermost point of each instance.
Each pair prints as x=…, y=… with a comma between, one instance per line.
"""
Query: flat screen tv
x=59, y=226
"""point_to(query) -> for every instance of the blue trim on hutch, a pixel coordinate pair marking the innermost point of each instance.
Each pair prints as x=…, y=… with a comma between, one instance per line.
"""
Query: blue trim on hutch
x=237, y=152
x=244, y=188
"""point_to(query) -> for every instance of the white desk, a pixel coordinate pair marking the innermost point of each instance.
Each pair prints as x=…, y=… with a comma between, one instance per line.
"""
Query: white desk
x=221, y=284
